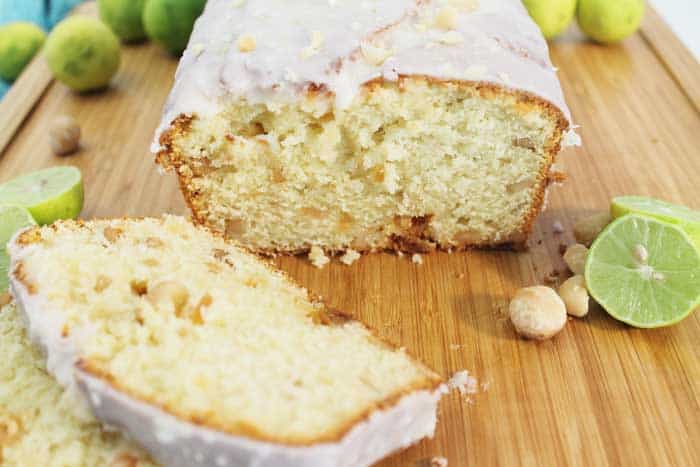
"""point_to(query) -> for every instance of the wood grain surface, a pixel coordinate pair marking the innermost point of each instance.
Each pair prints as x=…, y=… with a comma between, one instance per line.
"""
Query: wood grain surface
x=600, y=393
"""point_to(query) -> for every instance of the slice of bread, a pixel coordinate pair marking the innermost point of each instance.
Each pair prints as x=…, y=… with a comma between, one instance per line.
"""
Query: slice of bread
x=207, y=355
x=39, y=421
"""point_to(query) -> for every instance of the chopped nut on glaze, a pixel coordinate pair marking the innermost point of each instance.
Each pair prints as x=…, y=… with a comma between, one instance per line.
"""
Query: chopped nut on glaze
x=446, y=18
x=537, y=312
x=246, y=43
x=374, y=55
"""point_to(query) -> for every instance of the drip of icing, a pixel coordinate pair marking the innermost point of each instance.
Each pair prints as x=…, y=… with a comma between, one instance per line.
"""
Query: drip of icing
x=339, y=45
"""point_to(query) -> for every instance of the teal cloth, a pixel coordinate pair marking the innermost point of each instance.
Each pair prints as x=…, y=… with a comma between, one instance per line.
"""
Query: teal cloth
x=45, y=13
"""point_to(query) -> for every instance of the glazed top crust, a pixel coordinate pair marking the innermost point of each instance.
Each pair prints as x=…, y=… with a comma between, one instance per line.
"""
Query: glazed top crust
x=271, y=51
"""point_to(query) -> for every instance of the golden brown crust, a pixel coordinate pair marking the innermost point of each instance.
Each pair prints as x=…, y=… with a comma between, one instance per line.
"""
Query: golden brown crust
x=252, y=431
x=21, y=275
x=406, y=240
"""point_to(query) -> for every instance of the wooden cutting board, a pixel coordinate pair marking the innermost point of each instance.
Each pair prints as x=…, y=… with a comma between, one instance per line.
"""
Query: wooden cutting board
x=600, y=393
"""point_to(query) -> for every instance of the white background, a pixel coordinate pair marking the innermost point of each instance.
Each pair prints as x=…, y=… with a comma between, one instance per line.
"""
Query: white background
x=684, y=18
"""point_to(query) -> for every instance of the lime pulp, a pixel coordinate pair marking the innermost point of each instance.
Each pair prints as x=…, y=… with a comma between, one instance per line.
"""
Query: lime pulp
x=644, y=272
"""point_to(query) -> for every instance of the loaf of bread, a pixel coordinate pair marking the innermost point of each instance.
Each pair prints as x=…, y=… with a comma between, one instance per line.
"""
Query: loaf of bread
x=42, y=425
x=206, y=355
x=406, y=125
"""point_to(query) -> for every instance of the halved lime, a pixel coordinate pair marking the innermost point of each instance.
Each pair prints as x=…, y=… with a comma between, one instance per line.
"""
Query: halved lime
x=684, y=217
x=49, y=194
x=12, y=219
x=644, y=272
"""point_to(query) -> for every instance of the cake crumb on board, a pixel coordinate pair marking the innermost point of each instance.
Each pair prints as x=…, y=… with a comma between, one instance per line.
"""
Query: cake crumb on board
x=350, y=257
x=417, y=259
x=464, y=383
x=317, y=257
x=438, y=461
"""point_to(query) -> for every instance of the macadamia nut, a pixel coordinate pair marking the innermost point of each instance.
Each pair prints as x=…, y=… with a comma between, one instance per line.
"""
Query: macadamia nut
x=64, y=135
x=575, y=295
x=537, y=312
x=575, y=258
x=587, y=229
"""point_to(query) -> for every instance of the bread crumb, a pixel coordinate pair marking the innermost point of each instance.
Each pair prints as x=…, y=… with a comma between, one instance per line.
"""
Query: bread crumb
x=349, y=257
x=464, y=383
x=417, y=259
x=438, y=462
x=557, y=227
x=317, y=257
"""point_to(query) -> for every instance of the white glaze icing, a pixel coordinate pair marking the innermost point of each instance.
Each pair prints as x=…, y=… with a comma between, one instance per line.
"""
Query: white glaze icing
x=341, y=44
x=177, y=443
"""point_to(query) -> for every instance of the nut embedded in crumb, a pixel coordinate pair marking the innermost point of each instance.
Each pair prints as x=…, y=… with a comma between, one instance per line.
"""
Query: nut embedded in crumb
x=112, y=234
x=575, y=258
x=575, y=296
x=537, y=312
x=102, y=283
x=417, y=259
x=246, y=43
x=446, y=18
x=438, y=462
x=317, y=257
x=64, y=135
x=169, y=293
x=349, y=257
x=587, y=229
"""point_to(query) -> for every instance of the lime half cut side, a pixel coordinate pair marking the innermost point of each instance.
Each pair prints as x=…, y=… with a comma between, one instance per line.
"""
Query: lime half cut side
x=49, y=194
x=12, y=219
x=685, y=218
x=644, y=272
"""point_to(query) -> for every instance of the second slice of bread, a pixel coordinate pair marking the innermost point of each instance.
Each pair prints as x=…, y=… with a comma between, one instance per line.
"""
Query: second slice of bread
x=206, y=355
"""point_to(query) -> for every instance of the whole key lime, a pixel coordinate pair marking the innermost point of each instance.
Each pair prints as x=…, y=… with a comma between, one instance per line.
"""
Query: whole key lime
x=682, y=216
x=83, y=53
x=552, y=16
x=608, y=21
x=170, y=22
x=124, y=18
x=19, y=42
